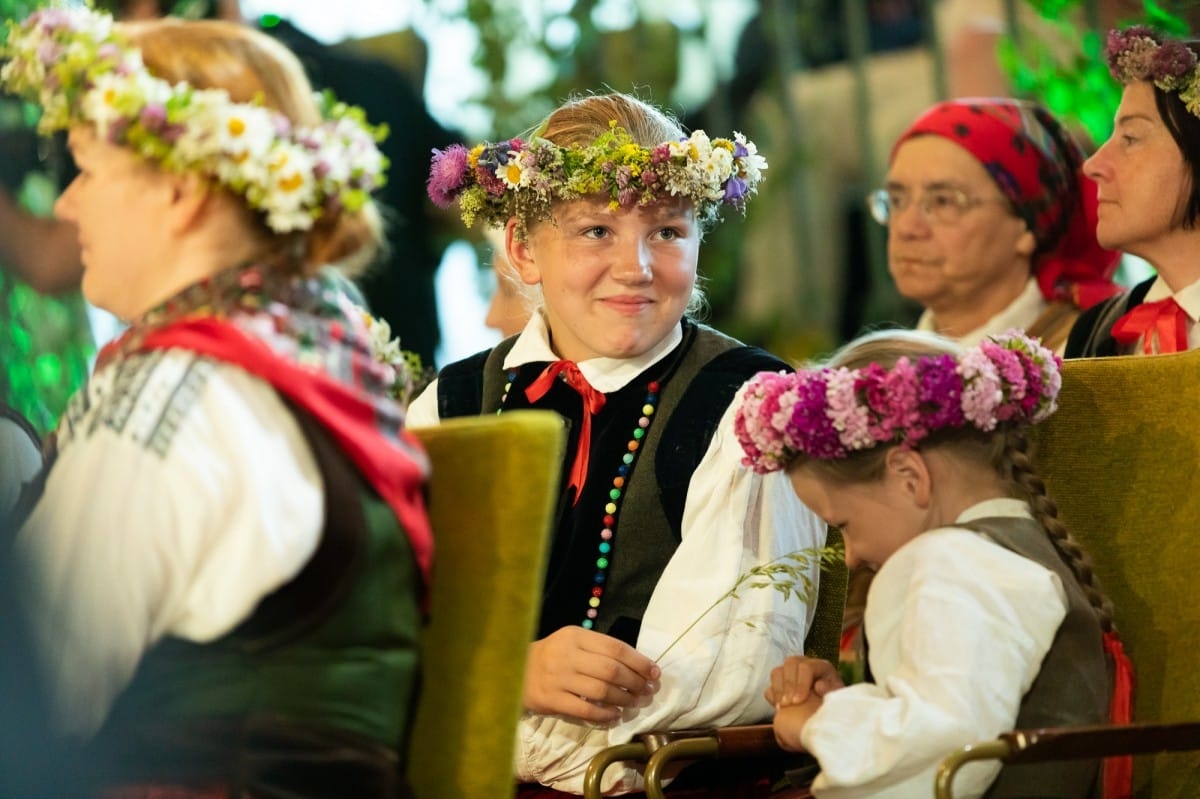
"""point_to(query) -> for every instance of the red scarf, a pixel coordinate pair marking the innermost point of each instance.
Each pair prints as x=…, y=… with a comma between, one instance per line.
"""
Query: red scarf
x=1037, y=165
x=391, y=460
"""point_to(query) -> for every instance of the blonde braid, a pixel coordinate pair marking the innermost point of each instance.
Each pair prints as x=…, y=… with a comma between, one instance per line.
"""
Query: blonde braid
x=1014, y=461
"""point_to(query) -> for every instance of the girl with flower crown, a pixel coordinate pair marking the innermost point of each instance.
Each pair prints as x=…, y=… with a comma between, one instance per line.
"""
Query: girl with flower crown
x=1148, y=177
x=224, y=569
x=603, y=208
x=983, y=615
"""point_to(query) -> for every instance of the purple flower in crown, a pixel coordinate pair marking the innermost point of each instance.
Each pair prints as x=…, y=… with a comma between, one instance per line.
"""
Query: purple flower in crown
x=153, y=117
x=940, y=392
x=810, y=429
x=736, y=190
x=493, y=158
x=739, y=149
x=447, y=174
x=1131, y=52
x=1173, y=59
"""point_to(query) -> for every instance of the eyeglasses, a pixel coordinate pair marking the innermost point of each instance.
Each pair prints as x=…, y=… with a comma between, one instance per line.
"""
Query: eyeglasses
x=939, y=206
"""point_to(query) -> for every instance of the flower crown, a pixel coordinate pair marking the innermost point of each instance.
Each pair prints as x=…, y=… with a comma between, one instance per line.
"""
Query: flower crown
x=497, y=180
x=827, y=413
x=72, y=62
x=402, y=368
x=1141, y=53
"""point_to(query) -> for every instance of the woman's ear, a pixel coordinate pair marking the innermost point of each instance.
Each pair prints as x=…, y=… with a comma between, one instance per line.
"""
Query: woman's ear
x=520, y=255
x=188, y=200
x=1027, y=244
x=910, y=471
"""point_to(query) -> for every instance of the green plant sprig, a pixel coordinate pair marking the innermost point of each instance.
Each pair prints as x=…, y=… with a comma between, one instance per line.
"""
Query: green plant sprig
x=787, y=574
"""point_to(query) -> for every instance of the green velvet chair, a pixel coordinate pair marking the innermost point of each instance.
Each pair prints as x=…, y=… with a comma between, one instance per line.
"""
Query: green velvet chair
x=491, y=502
x=1121, y=458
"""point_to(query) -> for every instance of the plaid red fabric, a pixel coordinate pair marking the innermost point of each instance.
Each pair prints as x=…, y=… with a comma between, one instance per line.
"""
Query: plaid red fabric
x=1037, y=165
x=300, y=335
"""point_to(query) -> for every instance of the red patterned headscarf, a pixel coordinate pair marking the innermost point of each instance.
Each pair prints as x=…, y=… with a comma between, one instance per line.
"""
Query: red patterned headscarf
x=1037, y=165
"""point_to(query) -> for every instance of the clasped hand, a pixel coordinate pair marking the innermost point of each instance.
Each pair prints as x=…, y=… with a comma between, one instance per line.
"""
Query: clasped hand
x=796, y=690
x=587, y=675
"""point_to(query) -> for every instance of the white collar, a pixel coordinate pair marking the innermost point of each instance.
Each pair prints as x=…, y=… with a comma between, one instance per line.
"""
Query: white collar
x=1000, y=506
x=1021, y=313
x=604, y=374
x=1188, y=297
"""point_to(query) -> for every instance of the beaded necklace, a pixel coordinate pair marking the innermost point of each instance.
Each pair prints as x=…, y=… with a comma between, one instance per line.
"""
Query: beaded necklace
x=608, y=521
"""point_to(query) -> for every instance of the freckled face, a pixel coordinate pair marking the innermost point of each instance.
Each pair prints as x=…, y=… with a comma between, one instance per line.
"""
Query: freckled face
x=615, y=282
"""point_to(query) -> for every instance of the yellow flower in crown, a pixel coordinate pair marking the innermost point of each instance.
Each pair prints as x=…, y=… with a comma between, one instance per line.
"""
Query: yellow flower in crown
x=76, y=65
x=495, y=181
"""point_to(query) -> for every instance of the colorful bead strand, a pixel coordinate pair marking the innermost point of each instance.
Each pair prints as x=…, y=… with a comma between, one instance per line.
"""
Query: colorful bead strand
x=609, y=520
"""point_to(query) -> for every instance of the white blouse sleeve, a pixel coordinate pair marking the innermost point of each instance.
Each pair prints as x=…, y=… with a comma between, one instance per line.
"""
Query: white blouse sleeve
x=715, y=674
x=172, y=516
x=423, y=410
x=959, y=627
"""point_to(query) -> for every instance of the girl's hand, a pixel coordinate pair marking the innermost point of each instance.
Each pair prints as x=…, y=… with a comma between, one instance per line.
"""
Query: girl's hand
x=790, y=720
x=799, y=678
x=586, y=675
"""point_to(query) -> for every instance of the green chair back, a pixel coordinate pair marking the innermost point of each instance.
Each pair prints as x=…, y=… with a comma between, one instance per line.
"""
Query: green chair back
x=1120, y=457
x=824, y=637
x=491, y=503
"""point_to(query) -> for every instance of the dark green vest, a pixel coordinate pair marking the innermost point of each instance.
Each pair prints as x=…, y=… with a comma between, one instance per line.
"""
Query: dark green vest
x=1074, y=685
x=312, y=695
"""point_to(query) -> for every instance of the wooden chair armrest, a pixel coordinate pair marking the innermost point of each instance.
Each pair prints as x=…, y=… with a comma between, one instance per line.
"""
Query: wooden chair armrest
x=1070, y=743
x=1101, y=740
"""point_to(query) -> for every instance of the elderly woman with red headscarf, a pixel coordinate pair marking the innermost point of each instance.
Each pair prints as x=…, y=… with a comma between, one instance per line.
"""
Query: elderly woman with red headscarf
x=991, y=222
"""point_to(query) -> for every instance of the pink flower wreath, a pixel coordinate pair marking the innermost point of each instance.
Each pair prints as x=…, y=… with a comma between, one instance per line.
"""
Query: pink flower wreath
x=830, y=412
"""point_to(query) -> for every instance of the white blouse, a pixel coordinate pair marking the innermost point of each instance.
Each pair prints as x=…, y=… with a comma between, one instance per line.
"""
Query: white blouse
x=183, y=493
x=958, y=627
x=733, y=520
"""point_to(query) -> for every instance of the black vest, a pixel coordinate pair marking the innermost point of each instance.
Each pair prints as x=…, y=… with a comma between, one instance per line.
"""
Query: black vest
x=698, y=381
x=1091, y=336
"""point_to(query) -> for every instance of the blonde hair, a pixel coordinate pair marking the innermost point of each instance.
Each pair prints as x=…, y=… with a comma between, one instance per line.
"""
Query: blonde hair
x=1005, y=449
x=580, y=120
x=253, y=67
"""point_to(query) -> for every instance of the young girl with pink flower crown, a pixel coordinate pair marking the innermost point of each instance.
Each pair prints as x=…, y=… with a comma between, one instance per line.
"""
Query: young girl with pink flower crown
x=983, y=615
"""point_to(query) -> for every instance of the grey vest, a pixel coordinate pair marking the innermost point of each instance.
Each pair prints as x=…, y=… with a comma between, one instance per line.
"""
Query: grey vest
x=1074, y=684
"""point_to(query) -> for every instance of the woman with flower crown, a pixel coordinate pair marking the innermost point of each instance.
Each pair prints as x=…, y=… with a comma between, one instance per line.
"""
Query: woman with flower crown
x=1148, y=174
x=603, y=208
x=225, y=565
x=983, y=615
